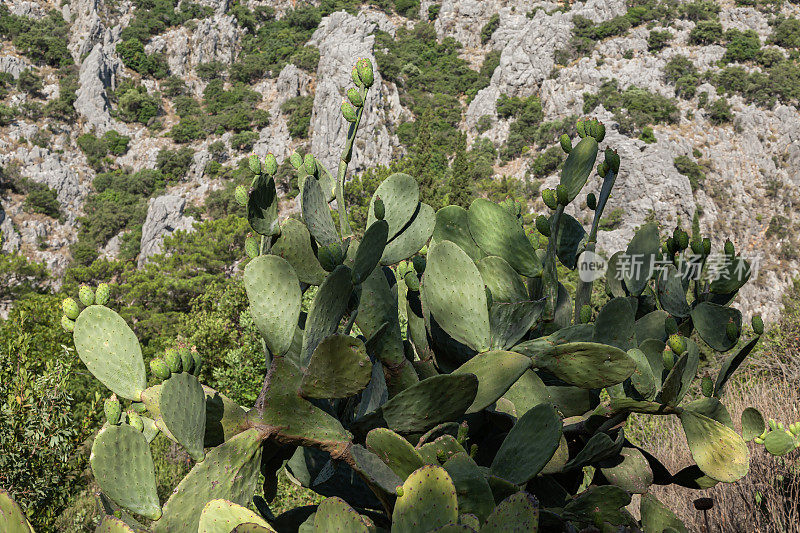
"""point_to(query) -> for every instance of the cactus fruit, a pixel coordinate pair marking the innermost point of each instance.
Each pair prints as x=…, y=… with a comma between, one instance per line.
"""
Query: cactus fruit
x=135, y=421
x=67, y=323
x=681, y=239
x=581, y=128
x=706, y=246
x=251, y=247
x=586, y=314
x=310, y=164
x=241, y=195
x=566, y=143
x=86, y=295
x=296, y=160
x=254, y=164
x=668, y=359
x=70, y=308
x=365, y=72
x=379, y=209
x=187, y=361
x=355, y=77
x=730, y=251
x=159, y=369
x=732, y=331
x=670, y=326
x=543, y=225
x=758, y=325
x=103, y=294
x=549, y=198
x=612, y=157
x=112, y=409
x=602, y=169
x=697, y=247
x=270, y=164
x=173, y=360
x=677, y=344
x=354, y=95
x=591, y=201
x=707, y=386
x=561, y=195
x=348, y=111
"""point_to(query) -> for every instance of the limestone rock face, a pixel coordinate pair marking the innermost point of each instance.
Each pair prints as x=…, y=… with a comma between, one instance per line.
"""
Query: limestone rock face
x=98, y=75
x=164, y=215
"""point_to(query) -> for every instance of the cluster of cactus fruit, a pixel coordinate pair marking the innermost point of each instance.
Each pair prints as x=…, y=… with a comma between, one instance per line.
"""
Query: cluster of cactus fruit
x=500, y=407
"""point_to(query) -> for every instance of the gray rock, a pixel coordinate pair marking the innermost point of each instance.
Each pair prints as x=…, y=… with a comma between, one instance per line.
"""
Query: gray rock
x=11, y=239
x=216, y=39
x=13, y=65
x=23, y=8
x=98, y=75
x=164, y=215
x=87, y=27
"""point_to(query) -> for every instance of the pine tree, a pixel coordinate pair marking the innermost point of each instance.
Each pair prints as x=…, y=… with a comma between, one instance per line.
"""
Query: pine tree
x=459, y=187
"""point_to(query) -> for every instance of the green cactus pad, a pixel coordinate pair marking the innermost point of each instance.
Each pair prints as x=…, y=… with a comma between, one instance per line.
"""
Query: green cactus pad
x=752, y=424
x=779, y=442
x=712, y=408
x=496, y=372
x=370, y=250
x=502, y=280
x=426, y=404
x=671, y=292
x=339, y=367
x=615, y=325
x=274, y=293
x=642, y=378
x=630, y=471
x=600, y=446
x=453, y=292
x=680, y=378
x=224, y=418
x=12, y=519
x=327, y=309
x=511, y=321
x=229, y=472
x=335, y=515
x=529, y=445
x=395, y=451
x=578, y=166
x=527, y=392
x=559, y=459
x=711, y=321
x=400, y=195
x=111, y=351
x=472, y=490
x=455, y=528
x=428, y=501
x=658, y=517
x=294, y=245
x=587, y=365
x=732, y=363
x=412, y=238
x=251, y=528
x=452, y=225
x=732, y=277
x=317, y=214
x=497, y=232
x=440, y=449
x=614, y=284
x=642, y=251
x=123, y=467
x=598, y=505
x=570, y=236
x=519, y=513
x=719, y=452
x=183, y=410
x=651, y=326
x=112, y=524
x=262, y=207
x=222, y=516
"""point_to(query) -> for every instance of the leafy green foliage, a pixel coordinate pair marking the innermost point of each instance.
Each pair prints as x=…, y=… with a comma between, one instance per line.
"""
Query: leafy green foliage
x=681, y=72
x=152, y=17
x=786, y=32
x=522, y=131
x=489, y=28
x=62, y=108
x=719, y=112
x=634, y=107
x=658, y=40
x=706, y=32
x=174, y=164
x=742, y=46
x=97, y=150
x=134, y=104
x=298, y=109
x=42, y=40
x=691, y=169
x=132, y=54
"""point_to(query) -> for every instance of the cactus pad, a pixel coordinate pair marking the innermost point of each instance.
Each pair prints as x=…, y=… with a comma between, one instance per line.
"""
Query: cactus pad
x=274, y=293
x=644, y=248
x=497, y=232
x=317, y=214
x=711, y=321
x=630, y=471
x=502, y=280
x=370, y=250
x=454, y=294
x=12, y=519
x=658, y=517
x=183, y=410
x=519, y=513
x=327, y=309
x=294, y=245
x=578, y=166
x=395, y=451
x=428, y=501
x=334, y=515
x=529, y=445
x=452, y=225
x=719, y=452
x=412, y=238
x=111, y=351
x=752, y=424
x=400, y=195
x=472, y=490
x=671, y=293
x=496, y=372
x=339, y=367
x=615, y=325
x=123, y=467
x=222, y=516
x=112, y=524
x=262, y=207
x=586, y=364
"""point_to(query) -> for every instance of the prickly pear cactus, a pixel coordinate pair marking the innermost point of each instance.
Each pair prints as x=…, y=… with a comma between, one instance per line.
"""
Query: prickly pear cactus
x=488, y=403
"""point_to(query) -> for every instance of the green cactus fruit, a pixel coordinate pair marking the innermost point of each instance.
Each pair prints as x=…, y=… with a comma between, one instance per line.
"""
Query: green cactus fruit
x=706, y=246
x=112, y=409
x=187, y=361
x=173, y=360
x=602, y=169
x=586, y=314
x=67, y=323
x=591, y=201
x=561, y=194
x=355, y=77
x=566, y=143
x=159, y=368
x=707, y=386
x=670, y=326
x=580, y=126
x=543, y=225
x=669, y=359
x=138, y=407
x=270, y=164
x=241, y=195
x=348, y=111
x=412, y=281
x=135, y=421
x=365, y=72
x=254, y=164
x=599, y=131
x=730, y=251
x=549, y=198
x=612, y=157
x=251, y=247
x=198, y=362
x=296, y=160
x=419, y=263
x=671, y=246
x=681, y=239
x=330, y=256
x=677, y=344
x=103, y=294
x=310, y=164
x=70, y=308
x=86, y=295
x=697, y=247
x=732, y=331
x=379, y=209
x=758, y=325
x=354, y=95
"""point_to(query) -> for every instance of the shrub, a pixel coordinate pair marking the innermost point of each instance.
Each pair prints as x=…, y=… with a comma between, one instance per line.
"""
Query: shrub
x=634, y=107
x=29, y=83
x=39, y=198
x=298, y=110
x=547, y=162
x=188, y=129
x=658, y=40
x=135, y=105
x=244, y=141
x=528, y=116
x=786, y=33
x=720, y=112
x=489, y=28
x=742, y=46
x=699, y=10
x=175, y=164
x=43, y=40
x=689, y=168
x=706, y=32
x=62, y=108
x=681, y=72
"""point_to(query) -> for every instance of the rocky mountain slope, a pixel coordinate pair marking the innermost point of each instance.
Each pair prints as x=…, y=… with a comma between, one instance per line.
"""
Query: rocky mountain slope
x=120, y=119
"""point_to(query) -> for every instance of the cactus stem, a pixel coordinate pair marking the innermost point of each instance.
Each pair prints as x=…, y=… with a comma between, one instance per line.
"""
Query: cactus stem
x=347, y=154
x=549, y=274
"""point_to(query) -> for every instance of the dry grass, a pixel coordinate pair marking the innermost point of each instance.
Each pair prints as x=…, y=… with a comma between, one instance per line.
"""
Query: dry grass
x=768, y=499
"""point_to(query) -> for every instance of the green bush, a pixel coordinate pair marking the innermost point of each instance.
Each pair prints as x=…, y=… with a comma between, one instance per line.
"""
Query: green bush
x=44, y=40
x=174, y=164
x=547, y=162
x=489, y=28
x=699, y=10
x=96, y=150
x=298, y=109
x=62, y=108
x=29, y=83
x=135, y=105
x=133, y=56
x=691, y=169
x=522, y=131
x=658, y=40
x=39, y=198
x=719, y=112
x=681, y=72
x=187, y=129
x=634, y=107
x=786, y=33
x=706, y=32
x=152, y=17
x=209, y=71
x=742, y=46
x=244, y=141
x=233, y=109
